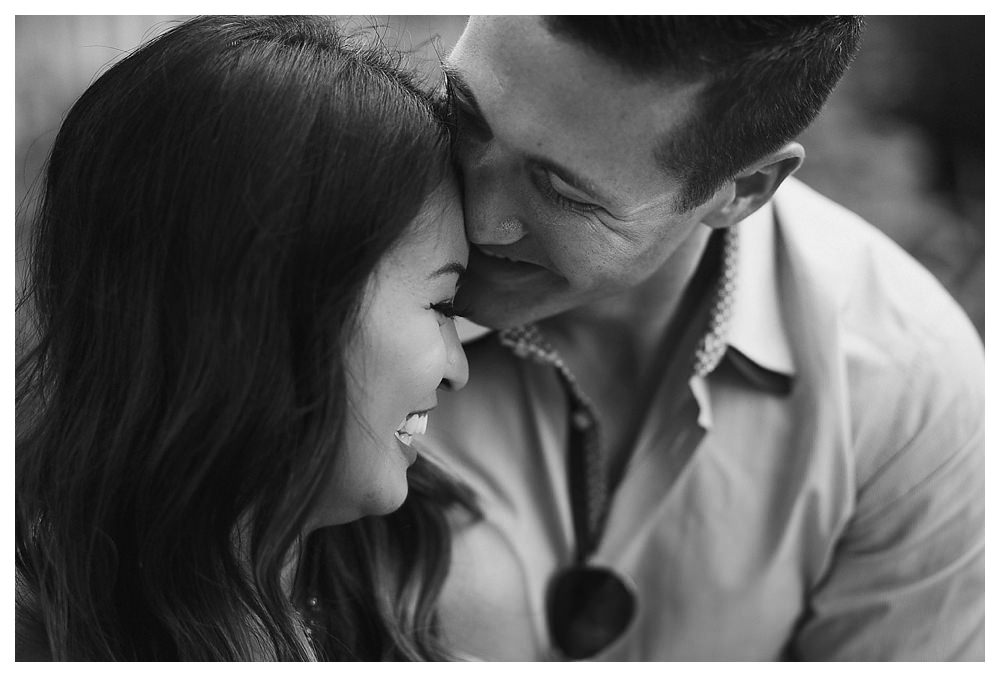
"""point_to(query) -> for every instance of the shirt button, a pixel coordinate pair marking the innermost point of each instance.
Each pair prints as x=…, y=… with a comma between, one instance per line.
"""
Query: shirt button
x=581, y=420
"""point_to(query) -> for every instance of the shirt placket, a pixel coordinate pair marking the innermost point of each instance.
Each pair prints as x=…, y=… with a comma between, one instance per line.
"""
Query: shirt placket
x=586, y=463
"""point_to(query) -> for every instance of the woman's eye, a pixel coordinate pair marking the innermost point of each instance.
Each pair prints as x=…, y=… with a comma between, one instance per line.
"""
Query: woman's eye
x=445, y=308
x=555, y=189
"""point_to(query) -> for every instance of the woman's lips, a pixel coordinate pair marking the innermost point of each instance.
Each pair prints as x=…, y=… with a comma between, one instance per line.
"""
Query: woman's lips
x=413, y=424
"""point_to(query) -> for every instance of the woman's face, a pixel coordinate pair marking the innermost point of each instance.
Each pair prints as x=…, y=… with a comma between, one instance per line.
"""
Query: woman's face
x=405, y=349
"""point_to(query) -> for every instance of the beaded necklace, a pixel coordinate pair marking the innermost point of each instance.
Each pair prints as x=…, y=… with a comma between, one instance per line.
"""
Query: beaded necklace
x=590, y=502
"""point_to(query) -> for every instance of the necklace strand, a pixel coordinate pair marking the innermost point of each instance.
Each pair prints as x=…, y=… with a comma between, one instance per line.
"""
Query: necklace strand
x=527, y=342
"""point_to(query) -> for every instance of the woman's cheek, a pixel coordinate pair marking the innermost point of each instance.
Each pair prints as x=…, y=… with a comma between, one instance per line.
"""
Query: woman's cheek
x=430, y=359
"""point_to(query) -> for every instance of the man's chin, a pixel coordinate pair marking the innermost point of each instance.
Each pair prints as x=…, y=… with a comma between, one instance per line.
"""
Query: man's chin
x=501, y=294
x=493, y=318
x=497, y=311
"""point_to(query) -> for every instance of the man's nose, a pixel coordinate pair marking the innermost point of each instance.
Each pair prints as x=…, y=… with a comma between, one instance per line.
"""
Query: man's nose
x=456, y=372
x=492, y=212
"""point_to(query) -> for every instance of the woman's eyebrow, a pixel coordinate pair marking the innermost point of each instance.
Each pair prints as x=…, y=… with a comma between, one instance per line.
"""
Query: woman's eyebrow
x=458, y=86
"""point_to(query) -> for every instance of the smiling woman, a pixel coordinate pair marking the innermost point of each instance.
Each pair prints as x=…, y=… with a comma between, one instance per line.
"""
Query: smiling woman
x=235, y=329
x=405, y=349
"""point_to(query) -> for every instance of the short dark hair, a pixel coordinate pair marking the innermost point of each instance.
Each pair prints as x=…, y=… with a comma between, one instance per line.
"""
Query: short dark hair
x=765, y=79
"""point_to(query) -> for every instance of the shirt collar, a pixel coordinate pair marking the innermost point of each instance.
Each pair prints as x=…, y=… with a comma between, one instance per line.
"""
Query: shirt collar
x=756, y=329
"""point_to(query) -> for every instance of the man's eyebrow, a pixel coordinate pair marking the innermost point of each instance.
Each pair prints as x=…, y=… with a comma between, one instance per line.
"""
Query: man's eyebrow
x=457, y=85
x=448, y=269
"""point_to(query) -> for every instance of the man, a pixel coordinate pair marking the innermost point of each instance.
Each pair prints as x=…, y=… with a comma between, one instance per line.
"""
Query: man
x=714, y=425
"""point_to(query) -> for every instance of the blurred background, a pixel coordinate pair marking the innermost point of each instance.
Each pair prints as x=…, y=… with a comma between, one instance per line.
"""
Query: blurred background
x=901, y=141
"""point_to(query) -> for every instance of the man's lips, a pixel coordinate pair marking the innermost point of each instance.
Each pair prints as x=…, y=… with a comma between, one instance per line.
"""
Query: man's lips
x=496, y=262
x=502, y=255
x=489, y=274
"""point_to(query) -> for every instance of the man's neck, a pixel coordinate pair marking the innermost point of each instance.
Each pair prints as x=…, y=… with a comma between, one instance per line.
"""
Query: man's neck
x=615, y=349
x=621, y=335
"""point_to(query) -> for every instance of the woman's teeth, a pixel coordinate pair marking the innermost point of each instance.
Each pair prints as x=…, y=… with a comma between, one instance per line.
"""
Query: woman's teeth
x=414, y=424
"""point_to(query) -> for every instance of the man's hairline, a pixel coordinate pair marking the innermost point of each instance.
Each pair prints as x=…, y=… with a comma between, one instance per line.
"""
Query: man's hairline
x=662, y=77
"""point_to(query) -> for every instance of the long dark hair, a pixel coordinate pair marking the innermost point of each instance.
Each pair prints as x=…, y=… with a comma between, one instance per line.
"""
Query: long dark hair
x=213, y=206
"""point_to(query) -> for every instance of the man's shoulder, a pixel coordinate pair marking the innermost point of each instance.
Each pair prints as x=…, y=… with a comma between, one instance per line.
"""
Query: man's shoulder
x=910, y=357
x=879, y=293
x=837, y=246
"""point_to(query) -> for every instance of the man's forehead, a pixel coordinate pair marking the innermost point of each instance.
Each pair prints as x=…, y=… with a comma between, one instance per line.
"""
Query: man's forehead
x=547, y=95
x=501, y=42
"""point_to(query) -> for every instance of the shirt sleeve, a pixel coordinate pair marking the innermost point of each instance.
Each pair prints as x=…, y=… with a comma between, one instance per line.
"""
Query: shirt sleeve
x=906, y=578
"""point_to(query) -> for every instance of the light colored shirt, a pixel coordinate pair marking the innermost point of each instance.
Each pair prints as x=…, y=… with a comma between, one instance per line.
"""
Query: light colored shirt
x=818, y=496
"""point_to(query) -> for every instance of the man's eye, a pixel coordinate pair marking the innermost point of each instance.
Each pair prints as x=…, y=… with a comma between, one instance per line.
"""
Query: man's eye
x=554, y=188
x=568, y=191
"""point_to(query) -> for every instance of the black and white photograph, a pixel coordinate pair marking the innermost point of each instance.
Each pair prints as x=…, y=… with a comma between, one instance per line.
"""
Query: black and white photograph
x=499, y=338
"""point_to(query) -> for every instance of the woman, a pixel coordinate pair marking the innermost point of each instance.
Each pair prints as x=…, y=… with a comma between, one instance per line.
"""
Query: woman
x=242, y=273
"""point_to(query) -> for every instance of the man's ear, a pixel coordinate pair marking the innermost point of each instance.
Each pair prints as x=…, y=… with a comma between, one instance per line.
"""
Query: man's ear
x=752, y=188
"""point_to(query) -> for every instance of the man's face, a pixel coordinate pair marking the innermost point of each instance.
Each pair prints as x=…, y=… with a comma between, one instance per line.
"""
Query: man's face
x=564, y=201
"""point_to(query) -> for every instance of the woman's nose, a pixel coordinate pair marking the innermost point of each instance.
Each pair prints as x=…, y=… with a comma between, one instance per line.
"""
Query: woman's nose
x=456, y=372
